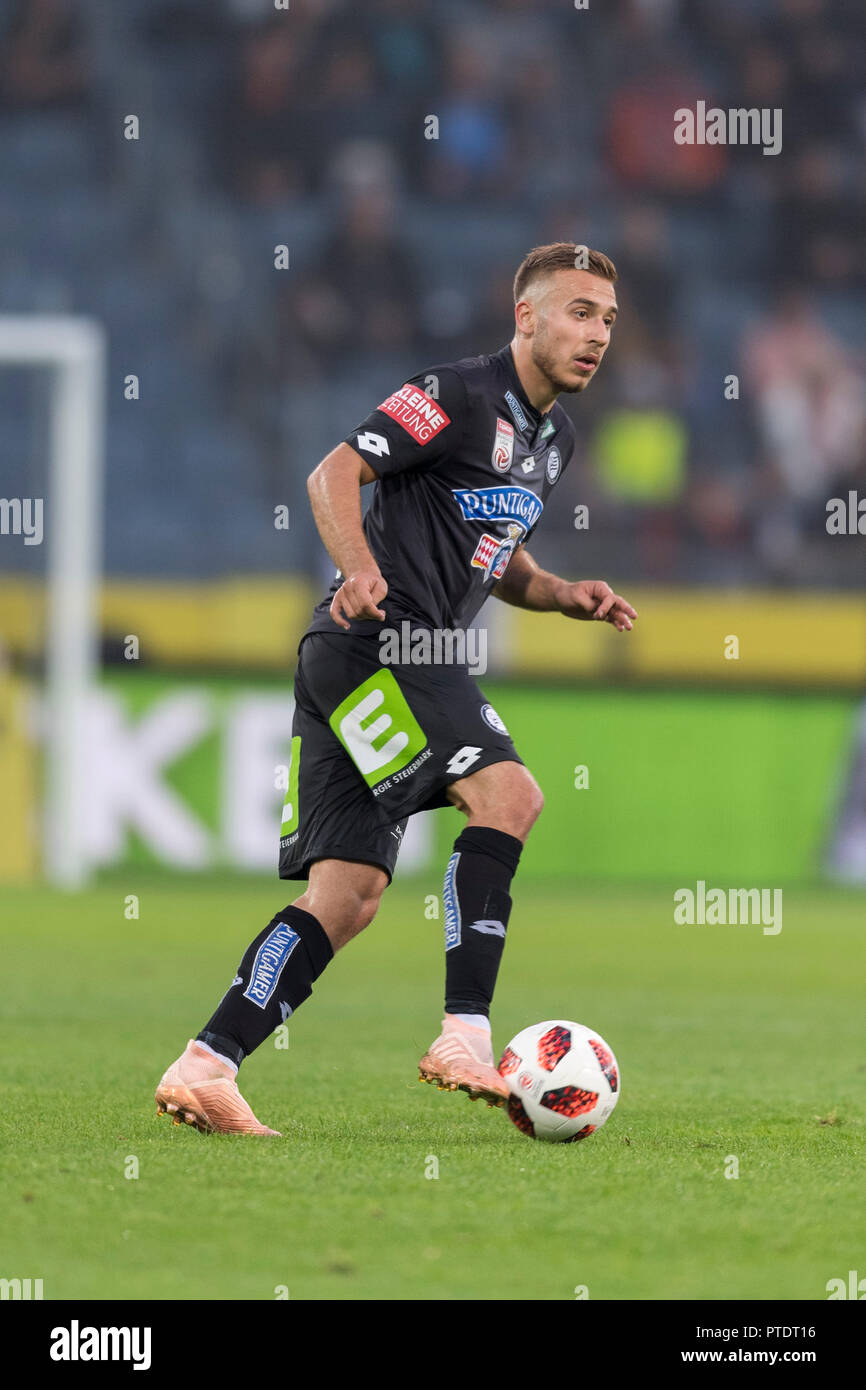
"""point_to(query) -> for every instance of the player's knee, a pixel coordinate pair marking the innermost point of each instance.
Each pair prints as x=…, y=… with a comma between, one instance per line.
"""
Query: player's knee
x=534, y=802
x=517, y=801
x=344, y=898
x=527, y=808
x=363, y=910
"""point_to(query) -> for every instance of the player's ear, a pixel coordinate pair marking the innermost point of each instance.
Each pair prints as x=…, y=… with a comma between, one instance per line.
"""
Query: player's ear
x=524, y=316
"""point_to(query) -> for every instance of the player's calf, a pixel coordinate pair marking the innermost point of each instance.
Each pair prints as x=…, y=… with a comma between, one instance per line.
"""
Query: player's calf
x=502, y=803
x=279, y=968
x=477, y=907
x=273, y=979
x=344, y=896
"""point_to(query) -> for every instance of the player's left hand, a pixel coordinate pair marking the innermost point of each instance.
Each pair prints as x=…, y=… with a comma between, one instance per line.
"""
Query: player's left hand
x=593, y=599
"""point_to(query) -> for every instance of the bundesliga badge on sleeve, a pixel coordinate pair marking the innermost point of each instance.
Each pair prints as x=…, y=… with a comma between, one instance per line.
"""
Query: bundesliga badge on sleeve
x=503, y=446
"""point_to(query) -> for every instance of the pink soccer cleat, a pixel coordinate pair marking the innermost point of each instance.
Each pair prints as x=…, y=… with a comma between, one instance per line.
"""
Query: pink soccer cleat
x=198, y=1089
x=461, y=1059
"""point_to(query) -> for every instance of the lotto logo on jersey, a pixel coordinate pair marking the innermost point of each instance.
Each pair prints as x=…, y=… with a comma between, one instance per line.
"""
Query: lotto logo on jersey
x=418, y=413
x=503, y=446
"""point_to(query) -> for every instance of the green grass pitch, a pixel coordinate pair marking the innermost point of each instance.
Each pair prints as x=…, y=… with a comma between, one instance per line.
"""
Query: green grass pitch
x=729, y=1042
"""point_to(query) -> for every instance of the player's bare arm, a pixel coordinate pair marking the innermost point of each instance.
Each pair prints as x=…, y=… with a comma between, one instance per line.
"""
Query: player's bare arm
x=335, y=497
x=526, y=585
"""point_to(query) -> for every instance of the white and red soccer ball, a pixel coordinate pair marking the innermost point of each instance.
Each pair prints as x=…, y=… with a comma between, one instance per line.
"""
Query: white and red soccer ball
x=563, y=1081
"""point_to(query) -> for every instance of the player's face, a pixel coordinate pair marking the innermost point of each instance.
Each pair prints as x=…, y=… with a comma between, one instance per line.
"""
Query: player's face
x=573, y=321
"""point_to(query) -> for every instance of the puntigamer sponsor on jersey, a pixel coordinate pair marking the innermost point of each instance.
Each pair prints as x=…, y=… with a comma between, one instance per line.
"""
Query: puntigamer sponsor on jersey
x=514, y=406
x=499, y=504
x=418, y=413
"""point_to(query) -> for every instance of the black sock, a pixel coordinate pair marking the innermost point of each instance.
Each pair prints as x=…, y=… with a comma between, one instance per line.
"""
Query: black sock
x=275, y=976
x=477, y=906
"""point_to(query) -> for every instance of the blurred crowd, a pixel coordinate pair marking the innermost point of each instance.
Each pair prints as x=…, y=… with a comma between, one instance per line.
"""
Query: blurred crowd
x=408, y=153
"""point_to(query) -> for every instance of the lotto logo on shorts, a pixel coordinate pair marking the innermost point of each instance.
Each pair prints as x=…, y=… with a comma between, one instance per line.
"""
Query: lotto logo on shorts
x=418, y=413
x=268, y=964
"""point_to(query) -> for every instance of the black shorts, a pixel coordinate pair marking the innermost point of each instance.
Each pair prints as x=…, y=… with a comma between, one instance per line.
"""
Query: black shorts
x=371, y=745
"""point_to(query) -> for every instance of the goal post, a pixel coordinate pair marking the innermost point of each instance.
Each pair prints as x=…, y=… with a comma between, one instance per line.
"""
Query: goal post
x=75, y=350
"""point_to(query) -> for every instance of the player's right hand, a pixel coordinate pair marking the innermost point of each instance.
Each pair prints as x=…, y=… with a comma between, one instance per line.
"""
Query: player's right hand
x=358, y=596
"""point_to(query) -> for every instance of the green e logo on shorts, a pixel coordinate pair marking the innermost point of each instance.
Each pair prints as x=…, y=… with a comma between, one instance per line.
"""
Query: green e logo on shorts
x=291, y=809
x=377, y=728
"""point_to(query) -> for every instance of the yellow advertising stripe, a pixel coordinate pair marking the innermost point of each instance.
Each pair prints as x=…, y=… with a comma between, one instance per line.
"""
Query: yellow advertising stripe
x=746, y=636
x=18, y=774
x=242, y=622
x=238, y=622
x=22, y=614
x=682, y=634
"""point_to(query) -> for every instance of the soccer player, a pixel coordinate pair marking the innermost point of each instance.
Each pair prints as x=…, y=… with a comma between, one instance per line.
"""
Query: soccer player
x=464, y=458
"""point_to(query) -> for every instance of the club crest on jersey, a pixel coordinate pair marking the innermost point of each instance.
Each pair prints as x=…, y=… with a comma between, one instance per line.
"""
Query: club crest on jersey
x=492, y=553
x=554, y=463
x=499, y=504
x=489, y=715
x=418, y=413
x=503, y=446
x=516, y=410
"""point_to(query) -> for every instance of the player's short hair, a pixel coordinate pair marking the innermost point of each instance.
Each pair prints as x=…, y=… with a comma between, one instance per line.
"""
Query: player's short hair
x=561, y=255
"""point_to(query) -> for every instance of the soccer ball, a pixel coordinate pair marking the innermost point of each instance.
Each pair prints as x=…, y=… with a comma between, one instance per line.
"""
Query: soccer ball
x=563, y=1081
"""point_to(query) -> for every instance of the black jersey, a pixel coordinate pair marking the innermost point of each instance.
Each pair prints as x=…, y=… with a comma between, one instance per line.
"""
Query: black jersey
x=465, y=465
